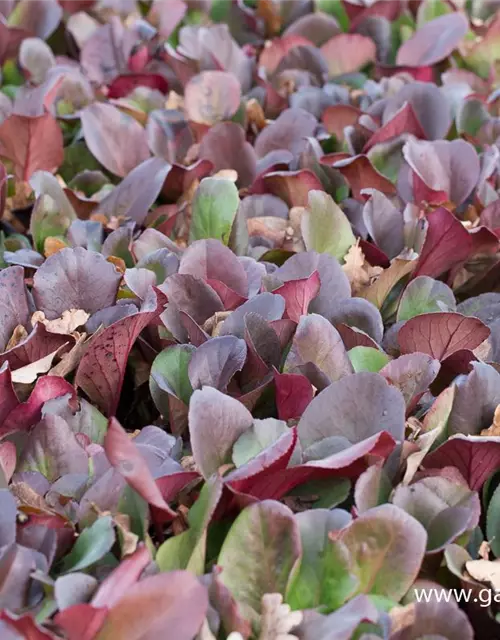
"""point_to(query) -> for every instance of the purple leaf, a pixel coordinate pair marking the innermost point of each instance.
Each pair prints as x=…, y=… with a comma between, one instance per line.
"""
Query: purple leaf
x=14, y=309
x=114, y=138
x=211, y=260
x=134, y=196
x=434, y=41
x=354, y=407
x=75, y=279
x=269, y=306
x=226, y=148
x=316, y=342
x=192, y=295
x=216, y=421
x=287, y=132
x=53, y=450
x=215, y=362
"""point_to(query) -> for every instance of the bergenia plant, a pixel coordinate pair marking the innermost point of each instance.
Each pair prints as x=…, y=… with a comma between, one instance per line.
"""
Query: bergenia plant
x=249, y=320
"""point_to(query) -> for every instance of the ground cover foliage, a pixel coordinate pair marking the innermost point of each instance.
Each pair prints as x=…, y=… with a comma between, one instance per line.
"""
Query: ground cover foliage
x=249, y=319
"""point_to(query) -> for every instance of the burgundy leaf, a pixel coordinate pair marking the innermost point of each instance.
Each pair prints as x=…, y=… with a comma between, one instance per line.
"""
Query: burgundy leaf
x=293, y=393
x=123, y=85
x=441, y=334
x=26, y=414
x=81, y=621
x=298, y=294
x=404, y=121
x=475, y=457
x=447, y=244
x=24, y=626
x=102, y=369
x=359, y=173
x=37, y=345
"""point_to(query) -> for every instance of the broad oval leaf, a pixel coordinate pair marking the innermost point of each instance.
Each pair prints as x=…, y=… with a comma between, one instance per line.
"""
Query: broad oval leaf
x=115, y=139
x=425, y=295
x=259, y=553
x=434, y=41
x=354, y=407
x=75, y=279
x=212, y=96
x=387, y=547
x=325, y=227
x=214, y=208
x=216, y=361
x=216, y=421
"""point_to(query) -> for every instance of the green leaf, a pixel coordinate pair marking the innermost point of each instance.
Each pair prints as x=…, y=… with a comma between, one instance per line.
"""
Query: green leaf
x=425, y=295
x=77, y=158
x=48, y=220
x=493, y=523
x=367, y=359
x=170, y=371
x=259, y=553
x=214, y=208
x=262, y=434
x=325, y=227
x=137, y=509
x=323, y=577
x=91, y=546
x=428, y=11
x=188, y=549
x=335, y=9
x=389, y=564
x=324, y=493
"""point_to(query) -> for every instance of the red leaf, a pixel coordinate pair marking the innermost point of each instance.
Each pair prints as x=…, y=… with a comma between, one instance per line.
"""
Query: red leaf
x=475, y=457
x=27, y=413
x=337, y=116
x=446, y=245
x=123, y=85
x=292, y=186
x=404, y=121
x=423, y=193
x=122, y=578
x=36, y=346
x=8, y=398
x=171, y=485
x=124, y=455
x=359, y=173
x=352, y=337
x=272, y=484
x=32, y=144
x=180, y=178
x=293, y=393
x=441, y=334
x=230, y=298
x=102, y=368
x=375, y=256
x=277, y=49
x=81, y=621
x=298, y=294
x=26, y=626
